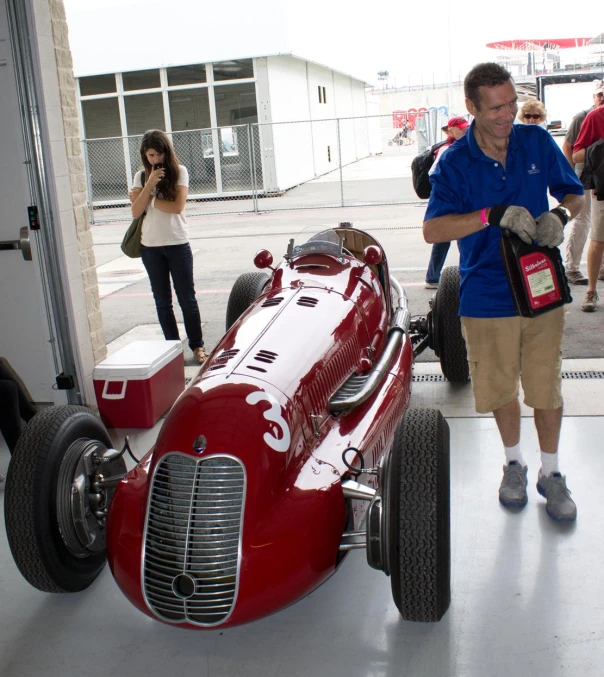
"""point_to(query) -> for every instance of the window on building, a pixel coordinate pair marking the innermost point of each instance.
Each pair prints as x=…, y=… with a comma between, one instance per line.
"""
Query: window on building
x=141, y=80
x=97, y=84
x=236, y=105
x=189, y=109
x=143, y=112
x=229, y=141
x=101, y=118
x=233, y=70
x=186, y=75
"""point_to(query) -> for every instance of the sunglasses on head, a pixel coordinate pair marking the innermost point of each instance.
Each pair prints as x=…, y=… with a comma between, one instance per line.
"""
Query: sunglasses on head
x=532, y=116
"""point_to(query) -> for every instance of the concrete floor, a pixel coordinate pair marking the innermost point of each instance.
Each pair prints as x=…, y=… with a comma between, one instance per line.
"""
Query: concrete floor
x=224, y=247
x=527, y=593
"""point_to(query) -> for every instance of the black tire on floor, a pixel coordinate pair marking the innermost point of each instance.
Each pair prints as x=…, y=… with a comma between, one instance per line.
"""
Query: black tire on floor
x=247, y=288
x=30, y=502
x=420, y=537
x=450, y=345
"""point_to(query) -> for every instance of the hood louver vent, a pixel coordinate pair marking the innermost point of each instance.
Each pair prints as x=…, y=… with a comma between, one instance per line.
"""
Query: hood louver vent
x=220, y=360
x=308, y=301
x=272, y=302
x=266, y=356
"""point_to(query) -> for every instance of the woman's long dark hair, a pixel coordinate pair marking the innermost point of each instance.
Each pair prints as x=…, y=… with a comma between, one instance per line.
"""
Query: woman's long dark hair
x=158, y=141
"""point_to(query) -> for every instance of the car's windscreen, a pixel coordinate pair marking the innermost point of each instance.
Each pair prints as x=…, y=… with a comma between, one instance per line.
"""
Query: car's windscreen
x=325, y=242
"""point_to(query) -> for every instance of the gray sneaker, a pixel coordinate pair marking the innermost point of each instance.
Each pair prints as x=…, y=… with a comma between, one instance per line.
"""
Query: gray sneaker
x=589, y=302
x=512, y=490
x=560, y=506
x=576, y=277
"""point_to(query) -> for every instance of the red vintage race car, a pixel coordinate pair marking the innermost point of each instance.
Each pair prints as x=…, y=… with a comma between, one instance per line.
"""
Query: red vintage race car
x=294, y=445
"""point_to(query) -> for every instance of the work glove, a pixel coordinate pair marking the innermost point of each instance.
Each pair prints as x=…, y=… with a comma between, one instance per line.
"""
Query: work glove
x=550, y=228
x=516, y=219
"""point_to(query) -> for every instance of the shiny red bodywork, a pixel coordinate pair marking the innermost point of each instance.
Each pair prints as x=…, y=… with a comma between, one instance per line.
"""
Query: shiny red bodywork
x=326, y=318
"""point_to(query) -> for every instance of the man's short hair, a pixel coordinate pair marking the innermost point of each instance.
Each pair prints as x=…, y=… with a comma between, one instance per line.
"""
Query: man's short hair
x=484, y=75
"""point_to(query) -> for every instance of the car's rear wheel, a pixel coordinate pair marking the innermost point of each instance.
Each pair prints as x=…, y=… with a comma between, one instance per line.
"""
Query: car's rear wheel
x=247, y=288
x=446, y=338
x=419, y=516
x=56, y=499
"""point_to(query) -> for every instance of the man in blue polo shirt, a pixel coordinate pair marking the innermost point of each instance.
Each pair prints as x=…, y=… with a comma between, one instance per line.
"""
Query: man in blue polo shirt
x=498, y=176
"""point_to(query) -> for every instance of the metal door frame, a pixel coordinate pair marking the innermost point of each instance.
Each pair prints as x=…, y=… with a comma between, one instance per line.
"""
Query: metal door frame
x=53, y=288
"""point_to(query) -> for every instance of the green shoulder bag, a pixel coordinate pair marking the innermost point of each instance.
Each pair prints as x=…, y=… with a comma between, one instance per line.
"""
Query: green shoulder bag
x=131, y=244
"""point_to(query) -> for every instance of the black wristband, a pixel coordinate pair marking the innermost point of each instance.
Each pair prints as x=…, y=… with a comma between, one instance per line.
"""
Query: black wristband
x=496, y=214
x=561, y=214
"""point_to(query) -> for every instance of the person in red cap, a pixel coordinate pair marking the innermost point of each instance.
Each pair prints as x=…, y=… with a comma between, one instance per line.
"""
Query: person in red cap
x=454, y=129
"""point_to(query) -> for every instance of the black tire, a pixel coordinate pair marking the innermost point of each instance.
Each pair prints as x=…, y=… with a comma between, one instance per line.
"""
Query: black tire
x=448, y=342
x=420, y=536
x=30, y=503
x=247, y=288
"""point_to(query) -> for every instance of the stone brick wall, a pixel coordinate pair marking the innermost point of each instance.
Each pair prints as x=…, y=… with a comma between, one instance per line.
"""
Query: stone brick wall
x=77, y=176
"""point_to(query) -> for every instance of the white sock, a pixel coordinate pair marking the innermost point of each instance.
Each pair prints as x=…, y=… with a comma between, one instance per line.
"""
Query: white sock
x=549, y=463
x=514, y=454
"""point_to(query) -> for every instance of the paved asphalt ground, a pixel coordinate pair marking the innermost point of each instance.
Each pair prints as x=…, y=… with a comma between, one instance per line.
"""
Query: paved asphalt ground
x=225, y=245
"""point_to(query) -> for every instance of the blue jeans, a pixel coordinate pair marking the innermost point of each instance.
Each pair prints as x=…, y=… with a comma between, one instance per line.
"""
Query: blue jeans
x=437, y=261
x=174, y=261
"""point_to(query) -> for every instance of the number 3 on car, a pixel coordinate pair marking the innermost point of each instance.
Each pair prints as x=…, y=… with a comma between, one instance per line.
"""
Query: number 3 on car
x=273, y=415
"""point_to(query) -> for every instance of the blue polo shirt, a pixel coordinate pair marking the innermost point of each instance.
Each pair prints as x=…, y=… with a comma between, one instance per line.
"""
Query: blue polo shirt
x=466, y=180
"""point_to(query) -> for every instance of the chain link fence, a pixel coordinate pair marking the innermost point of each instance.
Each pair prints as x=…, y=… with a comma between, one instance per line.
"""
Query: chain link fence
x=266, y=167
x=429, y=127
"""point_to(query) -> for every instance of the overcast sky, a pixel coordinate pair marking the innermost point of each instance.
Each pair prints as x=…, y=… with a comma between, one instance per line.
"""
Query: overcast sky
x=411, y=40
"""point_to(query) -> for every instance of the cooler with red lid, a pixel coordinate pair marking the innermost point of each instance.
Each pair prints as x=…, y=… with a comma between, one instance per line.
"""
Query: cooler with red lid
x=139, y=383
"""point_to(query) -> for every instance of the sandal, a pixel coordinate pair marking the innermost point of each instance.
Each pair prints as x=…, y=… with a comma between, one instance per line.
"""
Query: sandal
x=200, y=355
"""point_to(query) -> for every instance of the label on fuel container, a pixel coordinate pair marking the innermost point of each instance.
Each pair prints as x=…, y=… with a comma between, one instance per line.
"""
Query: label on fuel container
x=541, y=280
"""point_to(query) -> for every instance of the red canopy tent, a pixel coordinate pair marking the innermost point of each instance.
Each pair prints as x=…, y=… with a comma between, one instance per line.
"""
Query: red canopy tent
x=533, y=45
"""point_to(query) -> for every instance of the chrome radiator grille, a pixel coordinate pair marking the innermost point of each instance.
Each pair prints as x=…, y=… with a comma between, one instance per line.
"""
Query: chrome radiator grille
x=193, y=538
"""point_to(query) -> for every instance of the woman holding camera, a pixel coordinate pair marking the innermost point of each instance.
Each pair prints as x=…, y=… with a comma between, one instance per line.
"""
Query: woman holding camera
x=166, y=251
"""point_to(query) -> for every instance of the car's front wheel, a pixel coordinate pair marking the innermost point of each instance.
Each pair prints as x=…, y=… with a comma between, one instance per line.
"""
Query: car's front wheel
x=247, y=288
x=59, y=485
x=419, y=547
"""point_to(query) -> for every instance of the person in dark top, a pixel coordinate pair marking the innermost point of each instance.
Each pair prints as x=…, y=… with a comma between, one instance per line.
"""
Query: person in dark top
x=15, y=405
x=454, y=129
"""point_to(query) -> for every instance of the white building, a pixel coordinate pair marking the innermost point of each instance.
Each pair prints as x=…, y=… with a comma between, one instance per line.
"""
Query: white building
x=265, y=123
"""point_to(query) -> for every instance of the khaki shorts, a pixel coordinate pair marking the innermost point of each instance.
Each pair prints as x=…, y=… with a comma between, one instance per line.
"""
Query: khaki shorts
x=505, y=350
x=597, y=219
